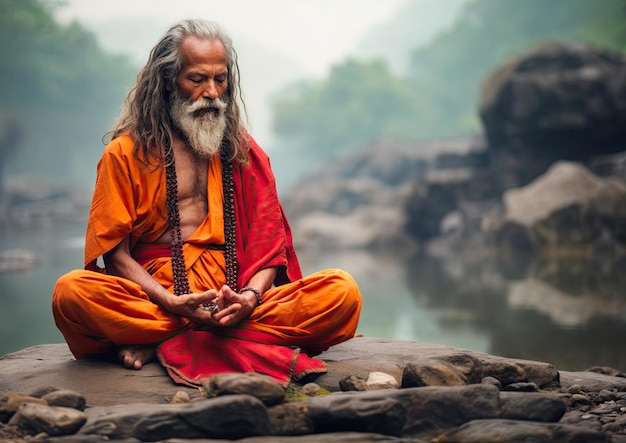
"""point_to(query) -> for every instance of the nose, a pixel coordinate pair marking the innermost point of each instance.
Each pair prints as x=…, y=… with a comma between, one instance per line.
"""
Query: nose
x=210, y=91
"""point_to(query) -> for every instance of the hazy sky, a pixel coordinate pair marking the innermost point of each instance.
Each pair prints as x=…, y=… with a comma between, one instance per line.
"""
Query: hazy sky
x=278, y=41
x=315, y=33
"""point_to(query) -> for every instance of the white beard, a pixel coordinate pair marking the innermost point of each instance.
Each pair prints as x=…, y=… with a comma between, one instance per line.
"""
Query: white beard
x=203, y=123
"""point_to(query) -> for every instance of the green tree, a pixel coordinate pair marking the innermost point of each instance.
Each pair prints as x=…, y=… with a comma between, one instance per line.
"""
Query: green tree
x=360, y=101
x=488, y=32
x=60, y=87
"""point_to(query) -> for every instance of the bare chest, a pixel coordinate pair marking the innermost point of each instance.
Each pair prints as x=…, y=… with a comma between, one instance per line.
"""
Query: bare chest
x=191, y=175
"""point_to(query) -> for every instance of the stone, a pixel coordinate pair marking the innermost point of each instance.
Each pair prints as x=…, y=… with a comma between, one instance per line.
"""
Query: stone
x=10, y=402
x=563, y=185
x=574, y=389
x=358, y=201
x=355, y=358
x=66, y=398
x=466, y=364
x=380, y=380
x=538, y=107
x=260, y=386
x=290, y=418
x=353, y=383
x=522, y=387
x=367, y=412
x=230, y=417
x=513, y=431
x=34, y=418
x=506, y=371
x=431, y=373
x=606, y=395
x=418, y=412
x=492, y=381
x=580, y=399
x=180, y=397
x=532, y=407
x=606, y=370
x=591, y=381
x=117, y=422
x=311, y=389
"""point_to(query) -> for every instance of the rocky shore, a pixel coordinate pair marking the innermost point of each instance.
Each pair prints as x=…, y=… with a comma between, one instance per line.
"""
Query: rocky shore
x=375, y=390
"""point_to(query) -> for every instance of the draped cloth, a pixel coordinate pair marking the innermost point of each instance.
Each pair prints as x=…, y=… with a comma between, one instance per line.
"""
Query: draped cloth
x=130, y=198
x=214, y=354
x=97, y=312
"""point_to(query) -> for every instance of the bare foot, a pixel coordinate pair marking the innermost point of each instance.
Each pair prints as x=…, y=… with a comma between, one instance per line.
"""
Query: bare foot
x=134, y=357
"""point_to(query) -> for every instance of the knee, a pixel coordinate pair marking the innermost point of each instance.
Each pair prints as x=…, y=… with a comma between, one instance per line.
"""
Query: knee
x=348, y=285
x=67, y=287
x=68, y=281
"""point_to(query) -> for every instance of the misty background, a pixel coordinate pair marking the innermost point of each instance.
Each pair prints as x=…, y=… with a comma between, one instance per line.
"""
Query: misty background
x=90, y=52
x=322, y=79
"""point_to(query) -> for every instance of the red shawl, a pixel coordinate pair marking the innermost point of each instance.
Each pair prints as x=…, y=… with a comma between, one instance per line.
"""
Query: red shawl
x=263, y=240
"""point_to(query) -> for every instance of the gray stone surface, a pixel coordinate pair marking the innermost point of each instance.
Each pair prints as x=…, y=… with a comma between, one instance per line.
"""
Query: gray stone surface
x=125, y=405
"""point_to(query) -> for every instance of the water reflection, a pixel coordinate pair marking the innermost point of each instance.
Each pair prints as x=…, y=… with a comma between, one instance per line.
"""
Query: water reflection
x=569, y=313
x=395, y=308
x=25, y=312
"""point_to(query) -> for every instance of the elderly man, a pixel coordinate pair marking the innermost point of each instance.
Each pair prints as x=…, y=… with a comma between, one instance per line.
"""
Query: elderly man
x=199, y=266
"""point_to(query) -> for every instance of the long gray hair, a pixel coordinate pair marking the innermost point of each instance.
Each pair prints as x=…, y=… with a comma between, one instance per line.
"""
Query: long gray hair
x=146, y=112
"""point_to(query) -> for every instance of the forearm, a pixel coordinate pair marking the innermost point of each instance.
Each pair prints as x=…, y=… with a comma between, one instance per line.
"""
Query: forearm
x=119, y=262
x=262, y=281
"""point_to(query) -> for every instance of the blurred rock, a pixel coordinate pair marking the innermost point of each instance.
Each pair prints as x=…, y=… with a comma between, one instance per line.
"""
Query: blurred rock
x=568, y=207
x=556, y=101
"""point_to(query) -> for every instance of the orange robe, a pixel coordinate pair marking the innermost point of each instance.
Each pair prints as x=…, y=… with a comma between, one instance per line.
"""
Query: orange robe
x=97, y=312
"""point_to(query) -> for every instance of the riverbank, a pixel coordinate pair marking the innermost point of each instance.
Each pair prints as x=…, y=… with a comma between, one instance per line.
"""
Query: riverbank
x=375, y=390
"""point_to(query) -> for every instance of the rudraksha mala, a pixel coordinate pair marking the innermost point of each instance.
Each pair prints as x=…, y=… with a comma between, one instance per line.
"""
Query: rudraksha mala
x=230, y=232
x=181, y=281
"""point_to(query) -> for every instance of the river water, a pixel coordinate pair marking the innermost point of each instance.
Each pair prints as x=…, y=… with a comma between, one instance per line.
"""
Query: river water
x=571, y=315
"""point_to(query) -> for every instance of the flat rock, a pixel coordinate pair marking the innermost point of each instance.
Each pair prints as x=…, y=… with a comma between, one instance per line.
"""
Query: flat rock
x=359, y=355
x=113, y=393
x=102, y=383
x=592, y=381
x=107, y=383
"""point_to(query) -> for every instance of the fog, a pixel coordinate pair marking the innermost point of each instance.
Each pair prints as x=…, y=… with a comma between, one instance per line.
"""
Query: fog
x=278, y=41
x=61, y=102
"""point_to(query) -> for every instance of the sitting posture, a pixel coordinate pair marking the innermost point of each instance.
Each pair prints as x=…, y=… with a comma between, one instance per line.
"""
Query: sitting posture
x=199, y=265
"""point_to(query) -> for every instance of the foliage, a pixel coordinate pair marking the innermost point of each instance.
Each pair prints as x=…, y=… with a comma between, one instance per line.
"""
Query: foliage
x=488, y=32
x=294, y=393
x=60, y=87
x=361, y=101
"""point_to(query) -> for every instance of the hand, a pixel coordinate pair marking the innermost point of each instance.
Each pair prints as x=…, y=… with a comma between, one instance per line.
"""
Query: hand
x=190, y=306
x=234, y=307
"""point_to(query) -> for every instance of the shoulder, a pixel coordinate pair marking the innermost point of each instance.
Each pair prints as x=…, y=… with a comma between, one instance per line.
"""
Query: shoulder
x=256, y=154
x=119, y=155
x=121, y=146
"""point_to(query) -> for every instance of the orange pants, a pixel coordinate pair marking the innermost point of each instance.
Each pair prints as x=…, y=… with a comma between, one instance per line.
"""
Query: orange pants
x=97, y=313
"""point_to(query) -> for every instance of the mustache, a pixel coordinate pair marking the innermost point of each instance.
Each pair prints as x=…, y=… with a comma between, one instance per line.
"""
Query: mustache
x=204, y=106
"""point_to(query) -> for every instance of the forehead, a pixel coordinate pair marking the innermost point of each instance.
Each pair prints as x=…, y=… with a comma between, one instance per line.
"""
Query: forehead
x=202, y=51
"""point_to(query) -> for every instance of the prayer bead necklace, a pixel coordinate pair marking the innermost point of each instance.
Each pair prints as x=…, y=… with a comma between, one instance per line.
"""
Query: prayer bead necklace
x=230, y=232
x=181, y=281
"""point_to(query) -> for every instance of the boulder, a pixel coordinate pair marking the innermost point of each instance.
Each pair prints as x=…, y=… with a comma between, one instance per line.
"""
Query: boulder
x=567, y=207
x=358, y=201
x=556, y=101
